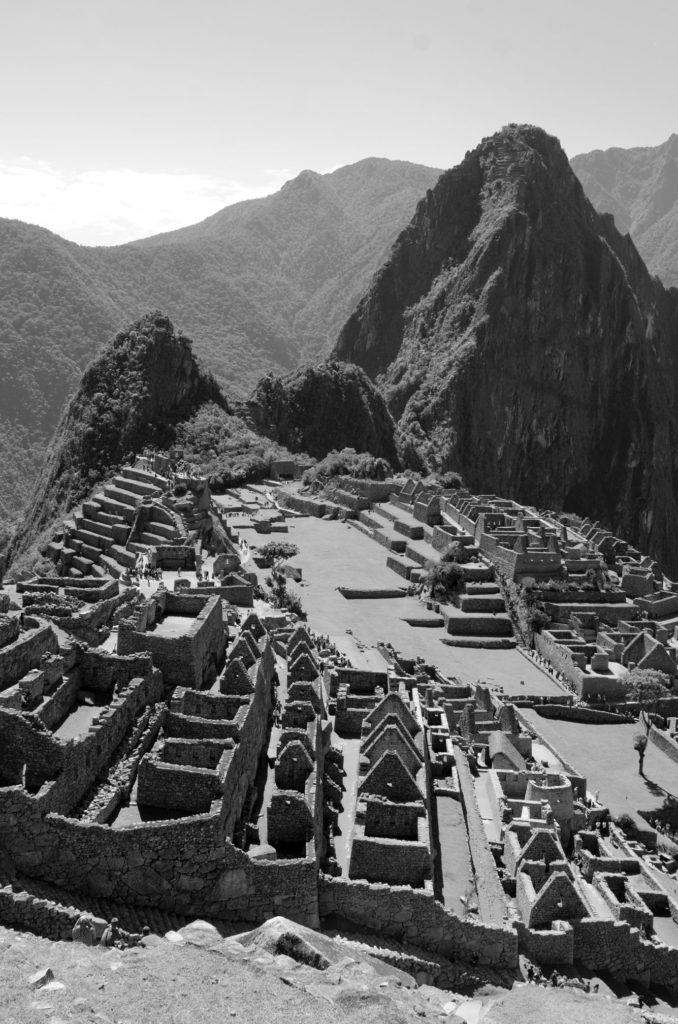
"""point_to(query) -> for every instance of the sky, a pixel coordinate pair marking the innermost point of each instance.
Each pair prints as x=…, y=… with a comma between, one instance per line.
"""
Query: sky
x=123, y=119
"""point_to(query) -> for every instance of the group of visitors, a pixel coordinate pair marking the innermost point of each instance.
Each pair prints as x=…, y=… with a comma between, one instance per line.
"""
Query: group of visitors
x=535, y=976
x=85, y=931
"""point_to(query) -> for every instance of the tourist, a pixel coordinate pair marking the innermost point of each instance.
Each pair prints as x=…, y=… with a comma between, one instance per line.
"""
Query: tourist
x=83, y=930
x=111, y=935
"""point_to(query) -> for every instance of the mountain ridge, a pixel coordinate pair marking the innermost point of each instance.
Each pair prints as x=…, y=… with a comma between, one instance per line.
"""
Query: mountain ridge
x=639, y=187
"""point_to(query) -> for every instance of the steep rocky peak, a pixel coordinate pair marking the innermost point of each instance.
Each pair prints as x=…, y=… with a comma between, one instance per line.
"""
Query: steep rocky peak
x=519, y=339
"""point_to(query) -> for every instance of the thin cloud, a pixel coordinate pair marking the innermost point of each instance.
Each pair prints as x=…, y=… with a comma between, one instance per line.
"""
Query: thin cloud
x=110, y=207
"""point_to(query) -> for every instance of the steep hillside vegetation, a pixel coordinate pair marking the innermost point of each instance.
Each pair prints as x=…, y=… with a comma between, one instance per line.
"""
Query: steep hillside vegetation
x=323, y=408
x=521, y=340
x=145, y=382
x=640, y=188
x=261, y=285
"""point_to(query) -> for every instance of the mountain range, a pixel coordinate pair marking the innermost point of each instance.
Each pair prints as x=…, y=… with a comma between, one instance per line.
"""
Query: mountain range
x=512, y=333
x=261, y=285
x=640, y=188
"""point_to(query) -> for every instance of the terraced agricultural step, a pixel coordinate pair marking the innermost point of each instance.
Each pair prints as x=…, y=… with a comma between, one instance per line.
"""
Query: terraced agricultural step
x=387, y=540
x=82, y=564
x=402, y=566
x=112, y=567
x=93, y=526
x=384, y=513
x=418, y=556
x=144, y=476
x=458, y=623
x=411, y=530
x=480, y=603
x=128, y=498
x=153, y=539
x=124, y=557
x=94, y=540
x=137, y=546
x=162, y=529
x=123, y=511
x=144, y=490
x=482, y=589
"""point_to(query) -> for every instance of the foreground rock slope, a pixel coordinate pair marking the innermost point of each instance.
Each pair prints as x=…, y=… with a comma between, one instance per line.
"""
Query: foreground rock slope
x=520, y=339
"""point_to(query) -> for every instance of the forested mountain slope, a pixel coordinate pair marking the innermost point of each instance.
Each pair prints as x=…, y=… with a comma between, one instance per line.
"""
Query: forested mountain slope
x=261, y=285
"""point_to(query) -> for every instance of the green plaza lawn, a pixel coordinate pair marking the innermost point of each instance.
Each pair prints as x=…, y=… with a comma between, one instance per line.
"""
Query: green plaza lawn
x=605, y=755
x=334, y=554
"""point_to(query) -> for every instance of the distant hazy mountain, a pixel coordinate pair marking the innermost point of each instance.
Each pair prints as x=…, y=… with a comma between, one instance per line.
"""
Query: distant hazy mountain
x=640, y=187
x=260, y=286
x=519, y=339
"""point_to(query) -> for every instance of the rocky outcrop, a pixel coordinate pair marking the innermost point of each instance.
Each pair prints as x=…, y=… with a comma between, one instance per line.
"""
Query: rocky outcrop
x=144, y=383
x=520, y=339
x=324, y=408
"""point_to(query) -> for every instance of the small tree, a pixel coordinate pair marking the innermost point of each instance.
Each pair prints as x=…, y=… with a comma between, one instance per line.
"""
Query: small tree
x=277, y=551
x=647, y=686
x=640, y=745
x=444, y=579
x=456, y=553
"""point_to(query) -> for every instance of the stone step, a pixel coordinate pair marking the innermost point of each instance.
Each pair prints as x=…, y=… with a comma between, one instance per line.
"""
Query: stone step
x=123, y=497
x=123, y=556
x=144, y=490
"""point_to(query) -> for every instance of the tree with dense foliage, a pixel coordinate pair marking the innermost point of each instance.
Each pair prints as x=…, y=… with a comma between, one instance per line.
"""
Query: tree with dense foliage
x=445, y=580
x=456, y=552
x=646, y=686
x=277, y=551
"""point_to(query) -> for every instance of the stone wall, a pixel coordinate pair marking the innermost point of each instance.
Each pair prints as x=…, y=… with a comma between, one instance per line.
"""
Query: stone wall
x=185, y=866
x=55, y=708
x=17, y=658
x=664, y=741
x=414, y=916
x=183, y=659
x=491, y=897
x=181, y=787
